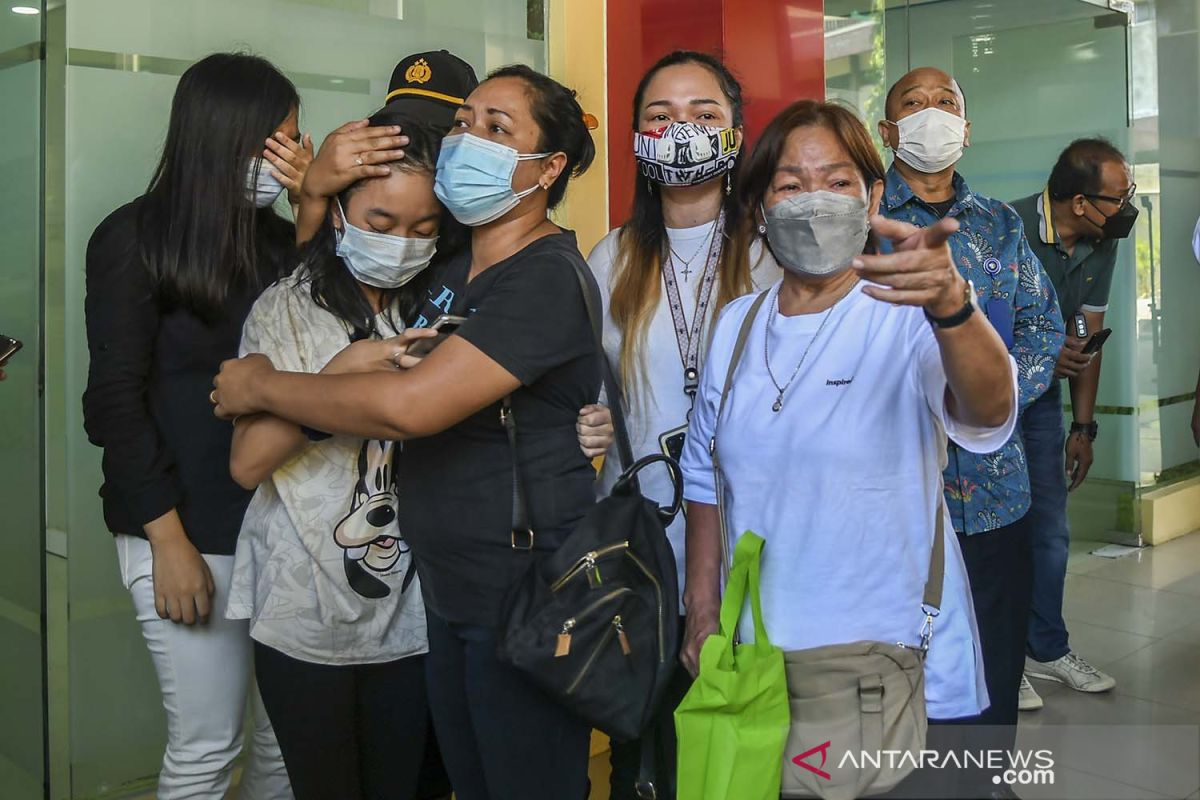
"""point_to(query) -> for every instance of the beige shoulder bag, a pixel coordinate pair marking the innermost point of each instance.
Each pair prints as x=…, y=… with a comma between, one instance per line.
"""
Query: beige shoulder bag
x=858, y=719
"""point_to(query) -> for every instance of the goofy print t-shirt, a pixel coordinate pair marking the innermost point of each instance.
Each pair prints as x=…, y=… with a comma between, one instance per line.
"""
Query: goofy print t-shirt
x=322, y=569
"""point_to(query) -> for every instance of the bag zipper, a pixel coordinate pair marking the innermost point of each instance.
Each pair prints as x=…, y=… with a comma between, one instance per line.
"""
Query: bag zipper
x=588, y=562
x=563, y=646
x=613, y=629
x=662, y=651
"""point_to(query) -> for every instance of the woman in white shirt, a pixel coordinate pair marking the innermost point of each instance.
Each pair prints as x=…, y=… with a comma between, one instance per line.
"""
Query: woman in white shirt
x=683, y=254
x=833, y=437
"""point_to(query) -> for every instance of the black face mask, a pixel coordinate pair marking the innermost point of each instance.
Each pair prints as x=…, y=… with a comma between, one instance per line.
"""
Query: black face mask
x=1119, y=224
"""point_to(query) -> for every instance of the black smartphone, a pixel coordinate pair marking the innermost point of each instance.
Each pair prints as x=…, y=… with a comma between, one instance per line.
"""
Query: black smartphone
x=445, y=325
x=671, y=443
x=8, y=348
x=1096, y=342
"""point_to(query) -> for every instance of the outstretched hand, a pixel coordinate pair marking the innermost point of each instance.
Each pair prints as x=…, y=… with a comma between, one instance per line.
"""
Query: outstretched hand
x=919, y=272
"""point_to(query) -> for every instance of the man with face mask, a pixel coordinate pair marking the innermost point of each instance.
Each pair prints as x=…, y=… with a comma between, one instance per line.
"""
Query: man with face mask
x=1074, y=224
x=988, y=495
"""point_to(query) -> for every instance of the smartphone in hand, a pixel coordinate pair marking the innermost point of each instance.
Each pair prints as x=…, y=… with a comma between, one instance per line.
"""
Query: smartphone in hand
x=1097, y=341
x=8, y=348
x=445, y=325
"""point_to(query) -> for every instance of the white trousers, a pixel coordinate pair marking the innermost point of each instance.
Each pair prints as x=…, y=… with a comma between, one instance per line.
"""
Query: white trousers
x=206, y=674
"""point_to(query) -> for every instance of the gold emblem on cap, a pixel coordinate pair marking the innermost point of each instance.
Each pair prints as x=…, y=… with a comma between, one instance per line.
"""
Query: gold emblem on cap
x=418, y=72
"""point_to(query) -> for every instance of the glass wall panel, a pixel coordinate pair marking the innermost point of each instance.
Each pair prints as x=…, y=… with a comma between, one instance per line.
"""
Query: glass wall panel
x=21, y=547
x=1037, y=74
x=122, y=61
x=1165, y=41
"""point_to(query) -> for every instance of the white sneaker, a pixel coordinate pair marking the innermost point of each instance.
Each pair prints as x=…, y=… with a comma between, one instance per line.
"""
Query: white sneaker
x=1029, y=700
x=1072, y=671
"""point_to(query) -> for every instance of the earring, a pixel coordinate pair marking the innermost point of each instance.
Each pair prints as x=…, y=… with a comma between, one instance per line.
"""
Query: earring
x=728, y=183
x=649, y=186
x=762, y=230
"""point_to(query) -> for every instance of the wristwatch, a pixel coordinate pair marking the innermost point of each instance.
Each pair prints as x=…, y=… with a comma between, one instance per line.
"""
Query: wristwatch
x=1092, y=429
x=958, y=317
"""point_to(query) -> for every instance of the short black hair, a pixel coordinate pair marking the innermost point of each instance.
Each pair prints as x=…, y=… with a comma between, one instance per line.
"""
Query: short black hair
x=1077, y=170
x=561, y=120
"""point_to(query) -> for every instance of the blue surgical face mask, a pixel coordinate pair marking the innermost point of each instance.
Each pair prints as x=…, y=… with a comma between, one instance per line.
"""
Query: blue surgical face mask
x=380, y=259
x=474, y=178
x=262, y=188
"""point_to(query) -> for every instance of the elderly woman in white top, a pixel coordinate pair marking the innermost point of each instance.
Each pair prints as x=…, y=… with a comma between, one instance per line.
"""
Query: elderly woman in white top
x=833, y=437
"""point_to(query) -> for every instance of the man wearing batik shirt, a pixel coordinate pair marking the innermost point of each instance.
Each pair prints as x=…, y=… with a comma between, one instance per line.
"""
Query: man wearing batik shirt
x=988, y=495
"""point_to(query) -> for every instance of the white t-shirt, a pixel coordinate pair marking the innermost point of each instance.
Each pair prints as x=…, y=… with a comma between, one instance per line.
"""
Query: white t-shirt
x=322, y=570
x=843, y=483
x=658, y=403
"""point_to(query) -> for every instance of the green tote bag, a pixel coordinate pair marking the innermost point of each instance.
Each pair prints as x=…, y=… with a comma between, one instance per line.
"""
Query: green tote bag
x=733, y=723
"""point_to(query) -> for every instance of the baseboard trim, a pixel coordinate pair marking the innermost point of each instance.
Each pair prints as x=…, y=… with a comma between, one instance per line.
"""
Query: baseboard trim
x=1170, y=512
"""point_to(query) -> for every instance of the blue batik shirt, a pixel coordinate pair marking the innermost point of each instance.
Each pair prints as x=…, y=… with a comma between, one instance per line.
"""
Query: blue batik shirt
x=985, y=492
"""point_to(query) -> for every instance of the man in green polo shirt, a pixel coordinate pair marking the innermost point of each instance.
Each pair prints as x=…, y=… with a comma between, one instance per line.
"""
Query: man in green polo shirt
x=1073, y=227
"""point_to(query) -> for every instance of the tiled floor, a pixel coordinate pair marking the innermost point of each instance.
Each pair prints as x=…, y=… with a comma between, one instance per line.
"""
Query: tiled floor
x=1137, y=618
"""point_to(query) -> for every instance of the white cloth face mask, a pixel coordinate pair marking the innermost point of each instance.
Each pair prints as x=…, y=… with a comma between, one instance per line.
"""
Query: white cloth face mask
x=931, y=140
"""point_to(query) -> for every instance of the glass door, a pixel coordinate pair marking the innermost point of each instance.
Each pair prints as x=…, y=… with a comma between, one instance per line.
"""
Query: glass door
x=1036, y=74
x=114, y=66
x=22, y=640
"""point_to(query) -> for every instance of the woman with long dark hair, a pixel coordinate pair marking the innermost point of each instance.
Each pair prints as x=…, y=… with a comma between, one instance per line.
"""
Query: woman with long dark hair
x=171, y=277
x=515, y=143
x=323, y=571
x=684, y=253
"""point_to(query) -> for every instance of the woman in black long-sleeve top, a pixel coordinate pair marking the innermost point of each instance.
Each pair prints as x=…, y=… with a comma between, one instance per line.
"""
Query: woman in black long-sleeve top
x=171, y=277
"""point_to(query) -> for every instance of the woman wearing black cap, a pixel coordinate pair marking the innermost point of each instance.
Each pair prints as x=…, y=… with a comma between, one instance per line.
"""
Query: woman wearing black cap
x=515, y=144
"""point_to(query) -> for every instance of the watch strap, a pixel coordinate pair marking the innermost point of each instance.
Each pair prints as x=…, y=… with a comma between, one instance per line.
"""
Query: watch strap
x=958, y=317
x=1091, y=429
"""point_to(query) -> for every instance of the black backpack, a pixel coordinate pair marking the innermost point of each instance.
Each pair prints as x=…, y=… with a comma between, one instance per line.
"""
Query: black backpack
x=596, y=623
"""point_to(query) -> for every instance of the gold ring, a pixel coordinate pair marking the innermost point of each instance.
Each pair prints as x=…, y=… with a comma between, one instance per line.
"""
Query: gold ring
x=212, y=397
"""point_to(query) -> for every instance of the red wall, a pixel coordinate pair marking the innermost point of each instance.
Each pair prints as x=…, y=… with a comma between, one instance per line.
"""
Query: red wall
x=775, y=47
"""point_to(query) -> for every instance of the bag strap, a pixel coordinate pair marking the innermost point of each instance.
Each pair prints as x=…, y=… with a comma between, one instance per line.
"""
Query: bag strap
x=744, y=580
x=739, y=346
x=522, y=528
x=932, y=596
x=591, y=301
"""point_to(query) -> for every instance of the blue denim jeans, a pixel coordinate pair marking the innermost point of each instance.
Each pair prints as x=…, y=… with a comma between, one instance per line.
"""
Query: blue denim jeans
x=1043, y=433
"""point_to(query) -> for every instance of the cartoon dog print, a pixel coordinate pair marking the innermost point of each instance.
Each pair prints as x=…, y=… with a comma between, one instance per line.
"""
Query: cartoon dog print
x=369, y=535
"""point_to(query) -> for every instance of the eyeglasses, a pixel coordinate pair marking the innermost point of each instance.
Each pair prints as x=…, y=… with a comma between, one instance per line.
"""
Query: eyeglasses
x=1118, y=200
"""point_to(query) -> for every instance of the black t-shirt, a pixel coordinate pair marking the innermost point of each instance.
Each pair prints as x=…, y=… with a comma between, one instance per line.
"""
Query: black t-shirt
x=942, y=208
x=527, y=314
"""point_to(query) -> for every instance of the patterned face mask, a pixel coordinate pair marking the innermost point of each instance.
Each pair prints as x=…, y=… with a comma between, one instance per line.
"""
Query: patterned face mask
x=686, y=154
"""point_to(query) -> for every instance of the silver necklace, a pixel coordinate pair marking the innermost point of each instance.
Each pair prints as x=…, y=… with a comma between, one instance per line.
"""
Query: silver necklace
x=777, y=406
x=687, y=264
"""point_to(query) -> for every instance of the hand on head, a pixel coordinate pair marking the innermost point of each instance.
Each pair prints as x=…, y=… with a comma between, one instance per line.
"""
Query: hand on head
x=351, y=153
